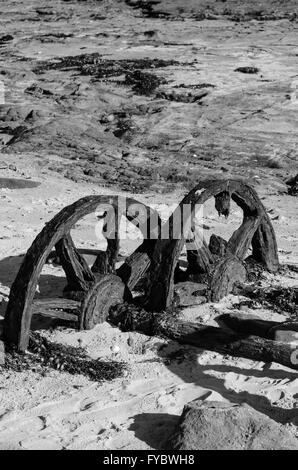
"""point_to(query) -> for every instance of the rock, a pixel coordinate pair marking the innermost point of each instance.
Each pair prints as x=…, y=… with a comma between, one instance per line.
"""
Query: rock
x=2, y=353
x=275, y=161
x=215, y=425
x=14, y=183
x=190, y=293
x=5, y=39
x=293, y=185
x=33, y=115
x=292, y=180
x=217, y=245
x=250, y=70
x=36, y=90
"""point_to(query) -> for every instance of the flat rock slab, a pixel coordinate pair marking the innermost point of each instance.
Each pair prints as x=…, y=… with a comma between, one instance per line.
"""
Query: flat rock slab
x=190, y=293
x=220, y=426
x=14, y=183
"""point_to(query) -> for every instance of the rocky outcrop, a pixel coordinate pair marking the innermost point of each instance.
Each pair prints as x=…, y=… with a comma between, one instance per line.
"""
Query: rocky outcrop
x=221, y=426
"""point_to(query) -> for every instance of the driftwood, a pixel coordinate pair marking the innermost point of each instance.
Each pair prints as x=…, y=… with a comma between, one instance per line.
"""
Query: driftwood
x=199, y=257
x=246, y=324
x=252, y=338
x=104, y=294
x=156, y=260
x=77, y=272
x=204, y=337
x=101, y=264
x=241, y=239
x=223, y=202
x=229, y=272
x=64, y=309
x=106, y=263
x=255, y=229
x=19, y=310
x=217, y=245
x=134, y=269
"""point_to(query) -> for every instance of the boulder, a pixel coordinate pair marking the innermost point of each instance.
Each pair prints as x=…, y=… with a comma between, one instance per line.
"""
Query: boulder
x=190, y=293
x=217, y=245
x=212, y=425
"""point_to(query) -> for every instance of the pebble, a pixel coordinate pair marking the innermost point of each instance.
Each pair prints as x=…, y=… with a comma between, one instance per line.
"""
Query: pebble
x=115, y=349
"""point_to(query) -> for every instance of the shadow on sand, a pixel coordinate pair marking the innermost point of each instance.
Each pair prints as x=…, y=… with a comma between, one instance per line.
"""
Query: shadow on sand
x=155, y=429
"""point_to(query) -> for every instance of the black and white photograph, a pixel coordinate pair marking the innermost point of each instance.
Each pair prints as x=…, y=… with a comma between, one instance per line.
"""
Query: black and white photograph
x=149, y=228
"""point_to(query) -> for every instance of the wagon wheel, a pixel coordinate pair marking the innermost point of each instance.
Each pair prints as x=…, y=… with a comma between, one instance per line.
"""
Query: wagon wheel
x=79, y=276
x=104, y=294
x=256, y=230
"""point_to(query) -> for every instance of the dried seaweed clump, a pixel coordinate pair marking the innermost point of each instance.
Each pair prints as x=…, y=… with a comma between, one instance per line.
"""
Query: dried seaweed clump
x=43, y=355
x=143, y=83
x=250, y=70
x=100, y=68
x=281, y=299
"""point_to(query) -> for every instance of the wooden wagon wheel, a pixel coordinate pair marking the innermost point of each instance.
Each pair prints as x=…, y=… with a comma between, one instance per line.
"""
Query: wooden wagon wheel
x=256, y=230
x=79, y=276
x=105, y=293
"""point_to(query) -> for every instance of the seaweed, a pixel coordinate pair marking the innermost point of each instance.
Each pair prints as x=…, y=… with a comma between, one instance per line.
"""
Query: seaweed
x=99, y=68
x=195, y=87
x=249, y=70
x=94, y=65
x=5, y=39
x=281, y=299
x=147, y=8
x=143, y=83
x=43, y=355
x=292, y=184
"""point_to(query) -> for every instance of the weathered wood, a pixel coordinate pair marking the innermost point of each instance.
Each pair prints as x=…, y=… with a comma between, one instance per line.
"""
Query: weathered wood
x=190, y=293
x=246, y=324
x=161, y=274
x=249, y=325
x=205, y=337
x=105, y=264
x=223, y=203
x=286, y=331
x=149, y=223
x=217, y=245
x=215, y=339
x=100, y=264
x=19, y=310
x=167, y=252
x=229, y=272
x=64, y=309
x=77, y=271
x=241, y=239
x=199, y=257
x=105, y=293
x=180, y=275
x=164, y=253
x=134, y=268
x=264, y=246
